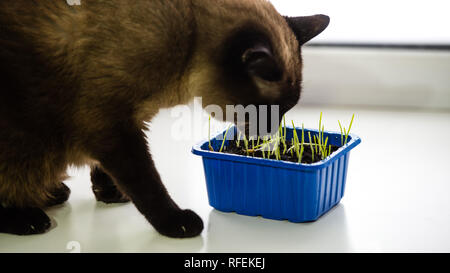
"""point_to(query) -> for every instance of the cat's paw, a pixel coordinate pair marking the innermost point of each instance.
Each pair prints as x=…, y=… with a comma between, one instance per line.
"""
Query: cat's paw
x=180, y=224
x=59, y=196
x=104, y=188
x=109, y=195
x=23, y=221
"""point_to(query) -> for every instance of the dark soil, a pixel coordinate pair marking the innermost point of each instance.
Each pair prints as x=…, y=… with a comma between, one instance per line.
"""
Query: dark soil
x=232, y=148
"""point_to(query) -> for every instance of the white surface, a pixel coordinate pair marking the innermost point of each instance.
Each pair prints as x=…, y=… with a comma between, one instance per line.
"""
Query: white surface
x=396, y=200
x=386, y=77
x=382, y=21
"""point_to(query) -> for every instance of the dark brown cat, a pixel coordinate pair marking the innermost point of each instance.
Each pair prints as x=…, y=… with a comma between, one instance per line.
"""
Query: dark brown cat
x=77, y=84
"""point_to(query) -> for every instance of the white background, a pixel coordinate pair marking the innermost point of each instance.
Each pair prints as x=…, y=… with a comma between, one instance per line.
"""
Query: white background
x=397, y=191
x=382, y=21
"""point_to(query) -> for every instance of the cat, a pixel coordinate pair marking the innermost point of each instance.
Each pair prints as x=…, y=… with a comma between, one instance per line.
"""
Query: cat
x=79, y=82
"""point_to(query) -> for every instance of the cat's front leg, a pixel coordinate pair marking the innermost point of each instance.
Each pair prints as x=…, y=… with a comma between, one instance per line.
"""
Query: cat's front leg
x=123, y=155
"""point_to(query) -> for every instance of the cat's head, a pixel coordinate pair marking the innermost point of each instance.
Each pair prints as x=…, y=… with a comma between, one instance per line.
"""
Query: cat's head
x=251, y=55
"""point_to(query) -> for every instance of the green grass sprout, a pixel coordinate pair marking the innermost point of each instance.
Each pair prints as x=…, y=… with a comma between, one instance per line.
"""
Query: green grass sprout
x=262, y=150
x=238, y=141
x=320, y=128
x=302, y=149
x=253, y=145
x=324, y=149
x=282, y=138
x=224, y=138
x=292, y=147
x=280, y=130
x=276, y=141
x=315, y=144
x=349, y=128
x=246, y=144
x=296, y=148
x=276, y=146
x=295, y=132
x=296, y=142
x=311, y=146
x=323, y=131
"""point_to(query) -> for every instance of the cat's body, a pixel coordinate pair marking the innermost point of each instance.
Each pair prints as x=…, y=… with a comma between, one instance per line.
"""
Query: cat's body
x=77, y=84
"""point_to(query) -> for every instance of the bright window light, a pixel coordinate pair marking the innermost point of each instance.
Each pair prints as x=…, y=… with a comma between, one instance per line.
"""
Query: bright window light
x=382, y=21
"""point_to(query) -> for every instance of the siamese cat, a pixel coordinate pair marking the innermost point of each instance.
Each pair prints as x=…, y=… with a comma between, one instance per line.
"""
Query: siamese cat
x=78, y=83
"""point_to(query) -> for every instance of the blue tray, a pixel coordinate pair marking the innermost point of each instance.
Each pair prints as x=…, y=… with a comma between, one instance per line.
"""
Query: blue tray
x=274, y=189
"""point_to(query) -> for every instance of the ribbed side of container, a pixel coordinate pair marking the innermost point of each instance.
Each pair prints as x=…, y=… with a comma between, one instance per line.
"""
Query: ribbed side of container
x=274, y=193
x=331, y=184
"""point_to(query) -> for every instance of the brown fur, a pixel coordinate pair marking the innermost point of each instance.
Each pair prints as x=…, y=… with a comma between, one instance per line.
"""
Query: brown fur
x=77, y=83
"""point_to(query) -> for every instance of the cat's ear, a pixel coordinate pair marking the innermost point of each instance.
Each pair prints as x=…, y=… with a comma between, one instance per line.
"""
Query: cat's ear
x=260, y=62
x=307, y=27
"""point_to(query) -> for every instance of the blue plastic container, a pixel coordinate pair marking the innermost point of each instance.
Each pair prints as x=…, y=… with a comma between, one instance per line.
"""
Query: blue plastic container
x=274, y=189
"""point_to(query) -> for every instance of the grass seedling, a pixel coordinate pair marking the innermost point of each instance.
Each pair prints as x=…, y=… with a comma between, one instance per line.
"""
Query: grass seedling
x=277, y=146
x=224, y=138
x=323, y=130
x=342, y=134
x=246, y=144
x=253, y=145
x=303, y=141
x=296, y=142
x=319, y=148
x=311, y=146
x=238, y=141
x=291, y=149
x=283, y=136
x=280, y=130
x=262, y=151
x=345, y=132
x=315, y=144
x=320, y=128
x=263, y=147
x=349, y=128
x=302, y=149
x=324, y=149
x=301, y=144
x=267, y=147
x=277, y=153
x=297, y=149
x=294, y=132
